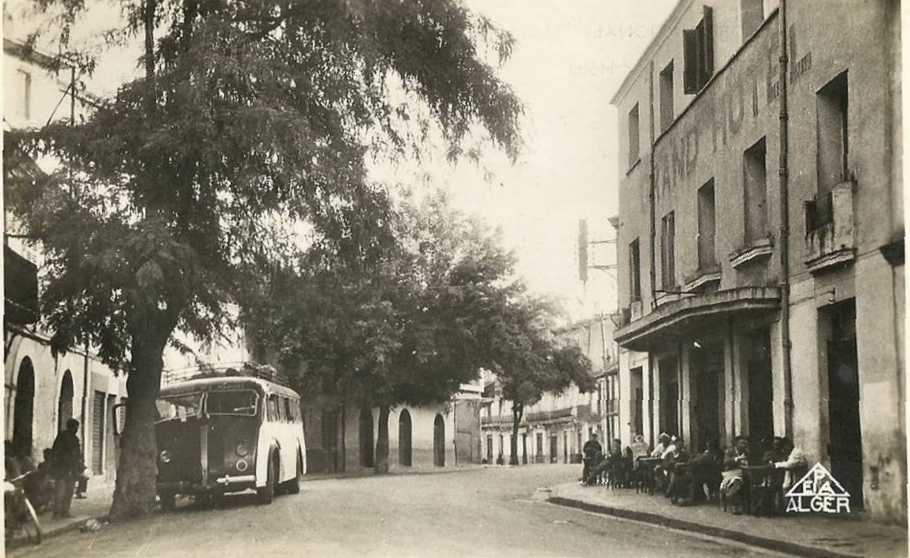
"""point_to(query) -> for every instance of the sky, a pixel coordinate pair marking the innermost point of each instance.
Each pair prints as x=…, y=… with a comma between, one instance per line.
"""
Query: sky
x=569, y=59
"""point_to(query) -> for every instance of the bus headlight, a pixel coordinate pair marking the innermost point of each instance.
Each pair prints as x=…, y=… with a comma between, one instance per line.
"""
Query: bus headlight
x=242, y=465
x=164, y=456
x=242, y=450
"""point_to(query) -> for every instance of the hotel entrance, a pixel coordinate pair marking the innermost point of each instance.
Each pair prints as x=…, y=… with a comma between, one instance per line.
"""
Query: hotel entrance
x=706, y=370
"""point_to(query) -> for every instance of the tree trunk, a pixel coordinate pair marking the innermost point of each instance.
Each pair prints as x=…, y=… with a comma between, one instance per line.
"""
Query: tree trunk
x=381, y=464
x=517, y=410
x=137, y=468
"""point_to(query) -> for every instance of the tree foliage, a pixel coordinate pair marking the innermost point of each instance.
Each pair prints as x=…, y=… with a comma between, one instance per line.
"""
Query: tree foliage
x=250, y=117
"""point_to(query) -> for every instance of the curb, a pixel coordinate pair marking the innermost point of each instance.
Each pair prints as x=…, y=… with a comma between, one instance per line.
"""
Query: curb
x=719, y=532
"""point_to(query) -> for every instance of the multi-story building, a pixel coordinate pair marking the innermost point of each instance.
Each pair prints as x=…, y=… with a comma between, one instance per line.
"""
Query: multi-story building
x=42, y=390
x=761, y=235
x=554, y=429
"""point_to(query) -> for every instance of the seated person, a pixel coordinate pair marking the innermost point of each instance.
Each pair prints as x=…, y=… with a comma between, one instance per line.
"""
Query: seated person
x=795, y=460
x=39, y=487
x=731, y=483
x=675, y=476
x=662, y=442
x=639, y=448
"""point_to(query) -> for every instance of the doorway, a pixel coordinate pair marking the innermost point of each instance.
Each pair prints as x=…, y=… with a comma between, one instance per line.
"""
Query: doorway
x=761, y=405
x=24, y=408
x=524, y=449
x=669, y=396
x=554, y=452
x=846, y=443
x=366, y=437
x=439, y=442
x=707, y=366
x=404, y=438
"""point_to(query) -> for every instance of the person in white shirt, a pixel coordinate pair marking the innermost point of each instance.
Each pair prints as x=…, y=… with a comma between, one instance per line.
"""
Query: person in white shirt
x=796, y=460
x=662, y=442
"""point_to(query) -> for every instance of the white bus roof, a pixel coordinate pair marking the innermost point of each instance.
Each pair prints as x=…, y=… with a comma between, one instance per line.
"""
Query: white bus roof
x=214, y=383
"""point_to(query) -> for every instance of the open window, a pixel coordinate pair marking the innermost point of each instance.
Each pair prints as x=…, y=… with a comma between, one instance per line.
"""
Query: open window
x=666, y=97
x=698, y=53
x=755, y=191
x=668, y=251
x=634, y=271
x=633, y=136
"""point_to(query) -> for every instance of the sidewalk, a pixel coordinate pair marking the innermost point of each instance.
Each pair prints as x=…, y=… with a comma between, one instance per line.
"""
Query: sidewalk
x=809, y=535
x=95, y=506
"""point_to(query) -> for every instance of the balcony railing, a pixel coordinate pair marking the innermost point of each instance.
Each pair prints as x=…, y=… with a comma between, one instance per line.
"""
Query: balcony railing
x=830, y=237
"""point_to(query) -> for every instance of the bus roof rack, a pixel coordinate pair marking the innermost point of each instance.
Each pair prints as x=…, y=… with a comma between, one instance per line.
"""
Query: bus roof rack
x=224, y=369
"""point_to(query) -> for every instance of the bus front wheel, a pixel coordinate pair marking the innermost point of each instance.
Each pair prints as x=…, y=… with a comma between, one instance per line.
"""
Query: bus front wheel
x=267, y=493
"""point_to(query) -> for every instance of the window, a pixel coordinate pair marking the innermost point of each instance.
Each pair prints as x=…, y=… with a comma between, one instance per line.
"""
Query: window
x=274, y=408
x=752, y=15
x=288, y=410
x=634, y=271
x=755, y=192
x=706, y=231
x=831, y=109
x=668, y=251
x=666, y=97
x=26, y=91
x=633, y=136
x=239, y=402
x=698, y=53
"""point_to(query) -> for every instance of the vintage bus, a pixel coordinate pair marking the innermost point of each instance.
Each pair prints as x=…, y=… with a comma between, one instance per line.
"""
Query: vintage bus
x=222, y=433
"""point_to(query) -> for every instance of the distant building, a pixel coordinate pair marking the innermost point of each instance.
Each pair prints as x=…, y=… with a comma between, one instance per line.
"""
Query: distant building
x=735, y=320
x=41, y=390
x=554, y=429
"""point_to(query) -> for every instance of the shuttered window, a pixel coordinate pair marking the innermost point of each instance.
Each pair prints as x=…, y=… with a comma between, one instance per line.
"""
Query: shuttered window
x=698, y=53
x=98, y=433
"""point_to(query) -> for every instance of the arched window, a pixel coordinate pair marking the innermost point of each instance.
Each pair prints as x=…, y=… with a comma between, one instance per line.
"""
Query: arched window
x=23, y=408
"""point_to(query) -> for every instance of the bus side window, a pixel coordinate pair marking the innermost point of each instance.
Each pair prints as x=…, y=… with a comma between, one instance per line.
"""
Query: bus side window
x=288, y=410
x=274, y=413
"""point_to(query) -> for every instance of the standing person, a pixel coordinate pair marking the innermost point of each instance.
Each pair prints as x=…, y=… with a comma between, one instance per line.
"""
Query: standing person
x=66, y=467
x=592, y=452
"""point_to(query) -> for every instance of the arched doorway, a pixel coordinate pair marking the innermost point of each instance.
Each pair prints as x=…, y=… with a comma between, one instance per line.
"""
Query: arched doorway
x=366, y=437
x=439, y=442
x=65, y=404
x=404, y=438
x=24, y=407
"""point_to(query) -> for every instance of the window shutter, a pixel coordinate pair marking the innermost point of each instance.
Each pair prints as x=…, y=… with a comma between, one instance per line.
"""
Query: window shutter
x=690, y=56
x=708, y=44
x=752, y=15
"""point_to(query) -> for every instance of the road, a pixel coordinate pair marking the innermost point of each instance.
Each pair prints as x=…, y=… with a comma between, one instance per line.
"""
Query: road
x=482, y=512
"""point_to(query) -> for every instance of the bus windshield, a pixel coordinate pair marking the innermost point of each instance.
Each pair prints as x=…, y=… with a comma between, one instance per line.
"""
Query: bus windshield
x=179, y=406
x=236, y=402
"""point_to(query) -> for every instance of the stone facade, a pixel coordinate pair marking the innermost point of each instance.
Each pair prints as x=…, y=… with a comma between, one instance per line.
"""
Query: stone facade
x=710, y=306
x=41, y=390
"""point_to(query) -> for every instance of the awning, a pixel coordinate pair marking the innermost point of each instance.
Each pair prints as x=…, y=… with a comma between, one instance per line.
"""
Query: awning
x=696, y=313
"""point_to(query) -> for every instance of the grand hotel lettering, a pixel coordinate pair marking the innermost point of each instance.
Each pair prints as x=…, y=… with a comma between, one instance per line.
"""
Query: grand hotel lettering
x=719, y=115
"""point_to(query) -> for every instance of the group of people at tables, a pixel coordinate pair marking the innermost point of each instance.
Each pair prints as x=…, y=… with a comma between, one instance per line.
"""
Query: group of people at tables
x=744, y=478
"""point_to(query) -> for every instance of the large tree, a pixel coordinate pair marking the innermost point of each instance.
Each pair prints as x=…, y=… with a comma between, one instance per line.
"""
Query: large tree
x=402, y=319
x=249, y=117
x=530, y=361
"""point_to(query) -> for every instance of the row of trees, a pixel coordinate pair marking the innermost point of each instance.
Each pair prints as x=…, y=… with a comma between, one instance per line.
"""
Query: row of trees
x=186, y=191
